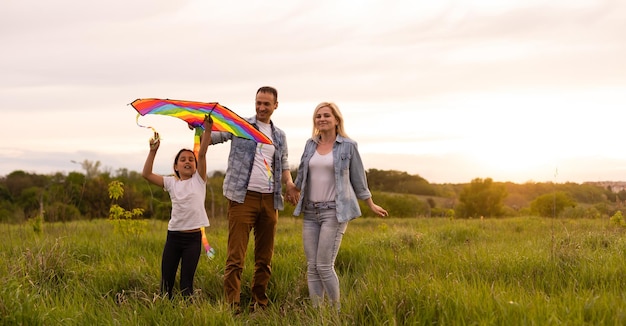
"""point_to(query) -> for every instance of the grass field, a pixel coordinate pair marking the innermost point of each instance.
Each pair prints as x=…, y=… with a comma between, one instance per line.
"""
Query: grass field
x=514, y=271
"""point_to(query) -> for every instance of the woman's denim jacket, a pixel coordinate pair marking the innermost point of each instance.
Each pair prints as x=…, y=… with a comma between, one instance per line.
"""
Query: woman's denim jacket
x=241, y=160
x=350, y=179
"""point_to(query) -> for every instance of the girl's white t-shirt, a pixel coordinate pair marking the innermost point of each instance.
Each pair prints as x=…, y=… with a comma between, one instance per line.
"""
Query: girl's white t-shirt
x=188, y=196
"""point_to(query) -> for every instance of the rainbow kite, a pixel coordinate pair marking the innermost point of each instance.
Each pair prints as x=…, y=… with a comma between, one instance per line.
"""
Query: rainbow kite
x=194, y=112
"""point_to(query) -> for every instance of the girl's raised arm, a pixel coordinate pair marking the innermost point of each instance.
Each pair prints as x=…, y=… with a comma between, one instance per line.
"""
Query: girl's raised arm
x=147, y=167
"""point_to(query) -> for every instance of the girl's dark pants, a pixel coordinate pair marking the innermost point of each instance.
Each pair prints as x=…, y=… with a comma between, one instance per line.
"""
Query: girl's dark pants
x=182, y=248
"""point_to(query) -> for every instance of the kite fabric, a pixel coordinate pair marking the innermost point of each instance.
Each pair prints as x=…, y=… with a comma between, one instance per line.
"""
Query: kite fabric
x=194, y=113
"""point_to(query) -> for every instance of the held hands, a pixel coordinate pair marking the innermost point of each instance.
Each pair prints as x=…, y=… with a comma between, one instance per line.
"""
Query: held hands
x=293, y=197
x=155, y=141
x=292, y=194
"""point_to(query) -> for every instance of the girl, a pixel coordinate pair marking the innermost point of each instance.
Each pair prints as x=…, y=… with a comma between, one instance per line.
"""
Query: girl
x=187, y=191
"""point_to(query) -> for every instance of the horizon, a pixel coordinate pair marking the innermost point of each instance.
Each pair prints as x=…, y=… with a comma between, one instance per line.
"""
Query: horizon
x=514, y=90
x=112, y=171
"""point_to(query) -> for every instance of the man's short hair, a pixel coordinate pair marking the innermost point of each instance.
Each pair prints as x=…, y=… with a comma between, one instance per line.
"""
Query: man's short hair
x=269, y=89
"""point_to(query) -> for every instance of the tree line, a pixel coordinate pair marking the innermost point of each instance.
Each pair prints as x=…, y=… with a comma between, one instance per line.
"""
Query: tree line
x=61, y=197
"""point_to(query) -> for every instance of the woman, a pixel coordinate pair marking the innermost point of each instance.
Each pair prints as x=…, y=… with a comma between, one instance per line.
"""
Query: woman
x=187, y=191
x=331, y=179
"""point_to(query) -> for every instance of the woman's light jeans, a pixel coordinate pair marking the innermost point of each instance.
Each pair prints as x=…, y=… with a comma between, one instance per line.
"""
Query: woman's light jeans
x=321, y=235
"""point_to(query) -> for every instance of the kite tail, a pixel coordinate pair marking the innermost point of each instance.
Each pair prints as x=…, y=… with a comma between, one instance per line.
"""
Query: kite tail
x=196, y=141
x=210, y=252
x=197, y=135
x=137, y=121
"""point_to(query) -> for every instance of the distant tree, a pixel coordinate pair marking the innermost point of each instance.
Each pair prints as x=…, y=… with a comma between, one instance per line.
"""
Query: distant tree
x=77, y=182
x=92, y=169
x=29, y=200
x=59, y=212
x=586, y=193
x=551, y=205
x=18, y=181
x=60, y=200
x=481, y=198
x=399, y=182
x=431, y=203
x=10, y=213
x=96, y=195
x=516, y=201
x=4, y=193
x=22, y=193
x=603, y=208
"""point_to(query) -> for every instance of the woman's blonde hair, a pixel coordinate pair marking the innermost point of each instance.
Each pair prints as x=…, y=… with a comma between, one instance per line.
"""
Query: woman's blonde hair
x=336, y=113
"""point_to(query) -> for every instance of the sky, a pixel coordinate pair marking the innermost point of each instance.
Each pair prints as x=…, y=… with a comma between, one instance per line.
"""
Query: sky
x=450, y=90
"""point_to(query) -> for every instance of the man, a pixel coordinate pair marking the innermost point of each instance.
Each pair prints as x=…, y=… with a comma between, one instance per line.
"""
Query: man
x=253, y=186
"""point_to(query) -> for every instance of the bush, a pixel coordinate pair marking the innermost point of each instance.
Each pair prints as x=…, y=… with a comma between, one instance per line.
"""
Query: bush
x=59, y=212
x=617, y=219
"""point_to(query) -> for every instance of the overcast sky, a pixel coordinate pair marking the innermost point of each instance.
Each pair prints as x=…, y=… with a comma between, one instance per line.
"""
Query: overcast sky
x=528, y=90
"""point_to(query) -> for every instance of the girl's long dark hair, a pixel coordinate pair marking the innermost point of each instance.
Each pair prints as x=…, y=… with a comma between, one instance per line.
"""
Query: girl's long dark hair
x=178, y=156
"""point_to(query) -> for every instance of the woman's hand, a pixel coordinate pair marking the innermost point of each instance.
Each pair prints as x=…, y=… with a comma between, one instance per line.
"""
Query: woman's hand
x=375, y=208
x=379, y=210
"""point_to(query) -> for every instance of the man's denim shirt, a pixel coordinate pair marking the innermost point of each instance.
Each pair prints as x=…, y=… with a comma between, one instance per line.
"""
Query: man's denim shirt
x=241, y=160
x=350, y=179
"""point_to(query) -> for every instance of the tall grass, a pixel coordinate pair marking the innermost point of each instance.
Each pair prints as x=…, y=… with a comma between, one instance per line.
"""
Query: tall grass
x=392, y=272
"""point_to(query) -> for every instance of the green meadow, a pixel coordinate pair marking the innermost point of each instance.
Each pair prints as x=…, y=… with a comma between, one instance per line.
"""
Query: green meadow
x=419, y=271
